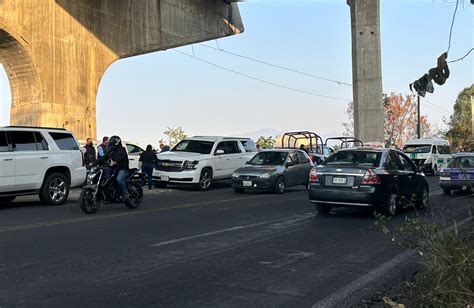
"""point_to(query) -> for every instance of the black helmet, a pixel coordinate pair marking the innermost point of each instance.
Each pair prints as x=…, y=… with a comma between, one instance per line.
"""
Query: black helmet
x=115, y=141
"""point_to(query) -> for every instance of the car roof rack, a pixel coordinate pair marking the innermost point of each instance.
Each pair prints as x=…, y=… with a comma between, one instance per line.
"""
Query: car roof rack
x=314, y=140
x=35, y=127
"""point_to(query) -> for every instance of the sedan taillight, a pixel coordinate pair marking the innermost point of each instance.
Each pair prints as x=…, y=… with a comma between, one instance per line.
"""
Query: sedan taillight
x=313, y=176
x=370, y=178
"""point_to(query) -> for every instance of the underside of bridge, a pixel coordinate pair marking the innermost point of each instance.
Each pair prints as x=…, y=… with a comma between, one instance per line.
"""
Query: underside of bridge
x=55, y=52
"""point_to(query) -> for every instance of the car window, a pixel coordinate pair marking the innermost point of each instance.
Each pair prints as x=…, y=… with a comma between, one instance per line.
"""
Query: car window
x=417, y=148
x=462, y=162
x=393, y=161
x=65, y=141
x=41, y=143
x=293, y=157
x=4, y=142
x=134, y=150
x=355, y=158
x=268, y=159
x=304, y=159
x=249, y=146
x=407, y=165
x=444, y=149
x=24, y=141
x=232, y=147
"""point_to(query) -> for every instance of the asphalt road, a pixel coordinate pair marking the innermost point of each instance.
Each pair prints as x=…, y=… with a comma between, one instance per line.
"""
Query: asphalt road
x=185, y=248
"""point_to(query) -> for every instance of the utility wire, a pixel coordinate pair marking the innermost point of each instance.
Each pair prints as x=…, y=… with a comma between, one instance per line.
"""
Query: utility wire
x=452, y=25
x=462, y=58
x=262, y=80
x=278, y=66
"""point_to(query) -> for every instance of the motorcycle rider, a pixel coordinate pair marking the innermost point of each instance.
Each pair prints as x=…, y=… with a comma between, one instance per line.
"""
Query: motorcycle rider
x=119, y=159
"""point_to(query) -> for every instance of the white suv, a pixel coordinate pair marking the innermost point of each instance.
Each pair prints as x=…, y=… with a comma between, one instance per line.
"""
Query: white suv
x=203, y=160
x=43, y=161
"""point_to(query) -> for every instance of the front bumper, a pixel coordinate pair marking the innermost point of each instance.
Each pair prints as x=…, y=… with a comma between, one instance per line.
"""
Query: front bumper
x=457, y=185
x=364, y=196
x=185, y=177
x=257, y=183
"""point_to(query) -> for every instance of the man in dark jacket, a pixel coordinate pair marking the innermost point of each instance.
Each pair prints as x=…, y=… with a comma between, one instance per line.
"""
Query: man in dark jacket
x=148, y=160
x=90, y=154
x=119, y=157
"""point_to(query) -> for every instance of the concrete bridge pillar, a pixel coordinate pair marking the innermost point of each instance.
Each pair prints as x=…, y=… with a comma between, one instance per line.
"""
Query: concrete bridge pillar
x=55, y=52
x=367, y=70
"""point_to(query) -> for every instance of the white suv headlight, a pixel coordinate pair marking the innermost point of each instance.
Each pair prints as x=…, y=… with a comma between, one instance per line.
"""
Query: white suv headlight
x=190, y=165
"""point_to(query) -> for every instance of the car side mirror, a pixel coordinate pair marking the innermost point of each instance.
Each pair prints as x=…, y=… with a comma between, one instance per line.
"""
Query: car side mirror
x=289, y=164
x=219, y=152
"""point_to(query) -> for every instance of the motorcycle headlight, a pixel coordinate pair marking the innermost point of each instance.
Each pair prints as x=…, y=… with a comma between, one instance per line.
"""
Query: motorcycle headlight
x=264, y=176
x=190, y=165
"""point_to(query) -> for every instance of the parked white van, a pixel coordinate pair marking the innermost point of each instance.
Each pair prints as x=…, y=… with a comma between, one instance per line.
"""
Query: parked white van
x=431, y=154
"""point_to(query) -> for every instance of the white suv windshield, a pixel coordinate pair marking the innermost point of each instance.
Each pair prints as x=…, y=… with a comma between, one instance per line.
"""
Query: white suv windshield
x=420, y=148
x=194, y=146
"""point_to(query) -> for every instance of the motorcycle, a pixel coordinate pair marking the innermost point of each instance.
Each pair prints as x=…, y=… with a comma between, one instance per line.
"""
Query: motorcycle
x=102, y=188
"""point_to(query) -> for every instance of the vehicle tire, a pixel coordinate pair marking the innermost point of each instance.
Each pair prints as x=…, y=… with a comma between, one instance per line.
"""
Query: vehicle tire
x=55, y=189
x=4, y=200
x=205, y=180
x=390, y=207
x=87, y=203
x=424, y=199
x=239, y=190
x=280, y=186
x=135, y=192
x=161, y=185
x=323, y=209
x=447, y=191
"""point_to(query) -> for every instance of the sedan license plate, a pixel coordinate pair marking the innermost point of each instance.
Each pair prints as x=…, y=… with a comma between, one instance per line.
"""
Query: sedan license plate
x=339, y=180
x=247, y=183
x=165, y=178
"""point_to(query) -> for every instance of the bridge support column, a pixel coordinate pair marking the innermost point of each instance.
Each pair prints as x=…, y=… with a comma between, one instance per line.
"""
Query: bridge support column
x=55, y=52
x=367, y=70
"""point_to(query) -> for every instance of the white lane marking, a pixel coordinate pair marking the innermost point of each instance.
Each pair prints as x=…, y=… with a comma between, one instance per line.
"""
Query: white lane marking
x=278, y=222
x=335, y=299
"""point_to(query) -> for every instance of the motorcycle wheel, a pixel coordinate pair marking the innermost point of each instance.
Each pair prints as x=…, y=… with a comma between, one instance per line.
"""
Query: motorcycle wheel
x=135, y=192
x=87, y=203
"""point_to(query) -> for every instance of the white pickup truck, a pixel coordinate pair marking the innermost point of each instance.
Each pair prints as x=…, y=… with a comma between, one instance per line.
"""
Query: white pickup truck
x=201, y=160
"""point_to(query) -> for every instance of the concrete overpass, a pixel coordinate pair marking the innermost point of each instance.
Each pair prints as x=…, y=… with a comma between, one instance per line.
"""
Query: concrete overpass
x=55, y=52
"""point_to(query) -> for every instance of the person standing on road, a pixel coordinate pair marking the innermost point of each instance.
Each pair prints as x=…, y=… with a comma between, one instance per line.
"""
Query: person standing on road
x=164, y=148
x=119, y=157
x=102, y=149
x=148, y=160
x=89, y=153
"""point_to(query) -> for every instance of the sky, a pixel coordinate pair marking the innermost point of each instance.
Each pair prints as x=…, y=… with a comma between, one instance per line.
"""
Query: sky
x=140, y=97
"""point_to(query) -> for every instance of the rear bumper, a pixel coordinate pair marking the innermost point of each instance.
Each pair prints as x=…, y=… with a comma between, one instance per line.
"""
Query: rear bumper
x=461, y=184
x=364, y=196
x=78, y=176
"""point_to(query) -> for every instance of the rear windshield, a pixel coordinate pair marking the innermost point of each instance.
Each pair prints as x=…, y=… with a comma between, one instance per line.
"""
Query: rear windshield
x=65, y=141
x=462, y=162
x=355, y=158
x=419, y=148
x=194, y=146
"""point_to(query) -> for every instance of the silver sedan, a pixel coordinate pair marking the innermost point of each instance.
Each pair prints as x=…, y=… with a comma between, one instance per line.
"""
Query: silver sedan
x=273, y=170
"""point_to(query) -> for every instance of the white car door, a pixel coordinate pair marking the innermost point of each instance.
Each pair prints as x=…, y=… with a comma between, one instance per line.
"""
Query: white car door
x=134, y=152
x=220, y=161
x=31, y=157
x=7, y=165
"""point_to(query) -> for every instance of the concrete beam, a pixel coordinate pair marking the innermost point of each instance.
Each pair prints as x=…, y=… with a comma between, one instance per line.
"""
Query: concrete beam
x=55, y=52
x=367, y=70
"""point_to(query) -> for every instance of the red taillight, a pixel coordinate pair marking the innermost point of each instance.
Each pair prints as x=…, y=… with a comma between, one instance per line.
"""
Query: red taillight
x=313, y=176
x=370, y=178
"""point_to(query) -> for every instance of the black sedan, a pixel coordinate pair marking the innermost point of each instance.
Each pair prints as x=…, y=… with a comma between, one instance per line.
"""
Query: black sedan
x=273, y=170
x=383, y=179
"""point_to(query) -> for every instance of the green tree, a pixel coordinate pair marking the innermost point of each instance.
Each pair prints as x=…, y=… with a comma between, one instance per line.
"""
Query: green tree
x=173, y=136
x=265, y=143
x=459, y=124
